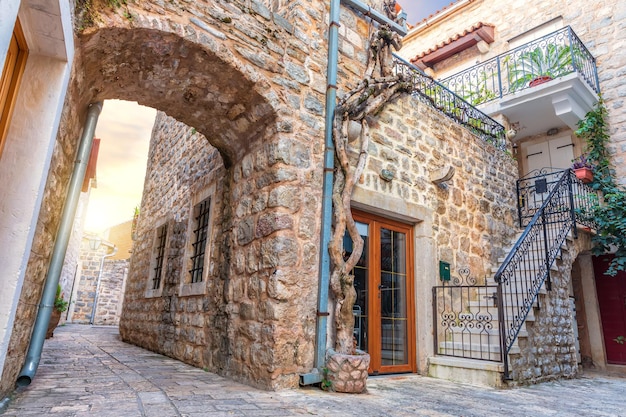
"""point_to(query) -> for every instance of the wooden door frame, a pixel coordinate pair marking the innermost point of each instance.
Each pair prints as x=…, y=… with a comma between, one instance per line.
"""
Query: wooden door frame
x=10, y=79
x=373, y=322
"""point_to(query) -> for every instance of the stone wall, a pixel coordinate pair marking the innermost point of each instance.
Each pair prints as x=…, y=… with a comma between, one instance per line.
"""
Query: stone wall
x=181, y=162
x=111, y=277
x=599, y=27
x=474, y=213
x=111, y=293
x=549, y=352
x=267, y=73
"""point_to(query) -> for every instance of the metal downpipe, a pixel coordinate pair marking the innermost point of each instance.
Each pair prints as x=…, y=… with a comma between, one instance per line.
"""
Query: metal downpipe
x=98, y=283
x=33, y=356
x=327, y=195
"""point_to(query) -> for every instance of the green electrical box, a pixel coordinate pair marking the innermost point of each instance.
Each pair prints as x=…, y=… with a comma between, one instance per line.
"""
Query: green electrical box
x=444, y=271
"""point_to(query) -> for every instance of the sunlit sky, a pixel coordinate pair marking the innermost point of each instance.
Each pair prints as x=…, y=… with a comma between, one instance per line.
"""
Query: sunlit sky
x=420, y=9
x=124, y=129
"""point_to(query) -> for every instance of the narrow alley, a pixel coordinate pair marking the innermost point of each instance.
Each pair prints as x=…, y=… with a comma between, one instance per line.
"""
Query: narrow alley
x=89, y=371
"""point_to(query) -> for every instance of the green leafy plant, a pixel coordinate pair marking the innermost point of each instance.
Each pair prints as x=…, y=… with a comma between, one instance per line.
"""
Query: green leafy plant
x=609, y=213
x=551, y=61
x=326, y=384
x=60, y=304
x=581, y=162
x=475, y=91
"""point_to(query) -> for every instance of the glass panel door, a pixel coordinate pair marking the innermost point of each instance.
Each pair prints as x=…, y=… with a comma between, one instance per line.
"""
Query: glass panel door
x=383, y=312
x=361, y=285
x=393, y=298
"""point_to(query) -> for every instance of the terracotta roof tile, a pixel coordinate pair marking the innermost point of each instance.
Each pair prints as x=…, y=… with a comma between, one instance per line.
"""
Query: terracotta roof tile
x=462, y=40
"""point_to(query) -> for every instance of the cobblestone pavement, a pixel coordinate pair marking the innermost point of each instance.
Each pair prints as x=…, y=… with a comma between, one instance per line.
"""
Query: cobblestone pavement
x=89, y=371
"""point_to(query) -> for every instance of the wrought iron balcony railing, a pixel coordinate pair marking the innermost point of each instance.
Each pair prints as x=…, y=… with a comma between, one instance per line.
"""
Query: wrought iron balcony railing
x=552, y=56
x=451, y=104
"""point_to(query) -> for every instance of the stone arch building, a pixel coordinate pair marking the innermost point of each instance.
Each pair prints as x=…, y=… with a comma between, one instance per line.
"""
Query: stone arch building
x=236, y=169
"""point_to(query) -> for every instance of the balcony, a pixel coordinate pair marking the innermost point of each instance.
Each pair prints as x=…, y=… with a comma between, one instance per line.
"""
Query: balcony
x=546, y=83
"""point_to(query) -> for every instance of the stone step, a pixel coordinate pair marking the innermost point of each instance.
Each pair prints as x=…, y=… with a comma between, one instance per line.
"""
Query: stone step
x=467, y=371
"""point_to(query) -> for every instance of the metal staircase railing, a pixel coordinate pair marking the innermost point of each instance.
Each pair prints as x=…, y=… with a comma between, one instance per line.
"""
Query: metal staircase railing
x=439, y=97
x=479, y=320
x=551, y=203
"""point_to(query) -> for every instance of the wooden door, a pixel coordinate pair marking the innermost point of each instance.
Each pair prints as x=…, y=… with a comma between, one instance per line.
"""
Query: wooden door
x=384, y=310
x=612, y=299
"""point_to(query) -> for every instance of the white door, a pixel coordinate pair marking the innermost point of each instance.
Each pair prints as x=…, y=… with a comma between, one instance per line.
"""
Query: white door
x=556, y=153
x=542, y=158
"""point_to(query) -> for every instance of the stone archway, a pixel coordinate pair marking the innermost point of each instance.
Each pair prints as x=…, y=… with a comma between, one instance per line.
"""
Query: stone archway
x=184, y=79
x=252, y=81
x=266, y=195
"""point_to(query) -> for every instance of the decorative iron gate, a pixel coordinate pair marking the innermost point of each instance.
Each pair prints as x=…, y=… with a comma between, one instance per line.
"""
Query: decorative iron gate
x=466, y=318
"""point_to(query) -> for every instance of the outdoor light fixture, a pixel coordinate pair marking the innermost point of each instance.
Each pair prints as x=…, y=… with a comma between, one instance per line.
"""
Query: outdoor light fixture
x=441, y=176
x=94, y=243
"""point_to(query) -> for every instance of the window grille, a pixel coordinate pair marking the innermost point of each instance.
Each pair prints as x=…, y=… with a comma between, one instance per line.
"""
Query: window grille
x=200, y=236
x=160, y=254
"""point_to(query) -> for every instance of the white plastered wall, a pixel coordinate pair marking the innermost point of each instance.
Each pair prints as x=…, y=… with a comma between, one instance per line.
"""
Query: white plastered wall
x=26, y=157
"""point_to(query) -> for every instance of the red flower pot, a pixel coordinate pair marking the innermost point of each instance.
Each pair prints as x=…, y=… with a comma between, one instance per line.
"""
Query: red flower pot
x=584, y=174
x=540, y=80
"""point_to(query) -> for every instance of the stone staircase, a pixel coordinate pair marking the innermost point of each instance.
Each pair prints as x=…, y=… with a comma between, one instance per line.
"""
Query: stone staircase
x=480, y=348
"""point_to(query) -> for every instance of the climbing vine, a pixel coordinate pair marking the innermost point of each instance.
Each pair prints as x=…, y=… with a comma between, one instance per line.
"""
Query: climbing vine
x=609, y=213
x=364, y=101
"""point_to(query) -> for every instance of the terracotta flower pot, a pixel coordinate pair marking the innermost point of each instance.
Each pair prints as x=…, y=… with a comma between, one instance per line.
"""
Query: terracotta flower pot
x=347, y=373
x=540, y=80
x=55, y=317
x=584, y=174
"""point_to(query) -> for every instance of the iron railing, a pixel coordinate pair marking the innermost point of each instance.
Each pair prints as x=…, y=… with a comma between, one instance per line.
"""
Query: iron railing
x=534, y=188
x=466, y=319
x=562, y=198
x=482, y=321
x=552, y=56
x=441, y=98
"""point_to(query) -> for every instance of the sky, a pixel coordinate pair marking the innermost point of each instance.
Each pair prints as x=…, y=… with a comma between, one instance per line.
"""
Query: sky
x=124, y=129
x=420, y=9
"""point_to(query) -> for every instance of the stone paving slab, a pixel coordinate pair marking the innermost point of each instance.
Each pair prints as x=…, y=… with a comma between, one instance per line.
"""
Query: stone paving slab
x=89, y=371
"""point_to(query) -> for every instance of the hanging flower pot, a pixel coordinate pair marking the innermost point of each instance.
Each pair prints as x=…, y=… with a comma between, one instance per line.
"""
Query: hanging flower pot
x=584, y=174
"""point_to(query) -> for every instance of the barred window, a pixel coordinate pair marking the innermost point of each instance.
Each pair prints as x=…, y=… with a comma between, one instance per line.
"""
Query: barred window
x=200, y=235
x=159, y=252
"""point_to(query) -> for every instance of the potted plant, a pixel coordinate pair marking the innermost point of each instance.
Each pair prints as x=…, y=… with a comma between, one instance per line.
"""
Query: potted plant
x=539, y=65
x=60, y=305
x=583, y=168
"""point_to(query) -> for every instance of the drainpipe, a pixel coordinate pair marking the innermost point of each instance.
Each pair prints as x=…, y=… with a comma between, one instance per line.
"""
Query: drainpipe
x=377, y=16
x=321, y=329
x=95, y=298
x=33, y=355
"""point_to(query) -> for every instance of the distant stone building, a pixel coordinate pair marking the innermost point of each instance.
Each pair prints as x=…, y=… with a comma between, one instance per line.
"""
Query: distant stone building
x=98, y=289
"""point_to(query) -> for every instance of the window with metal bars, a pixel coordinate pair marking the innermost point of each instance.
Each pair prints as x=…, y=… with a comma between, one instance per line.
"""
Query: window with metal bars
x=159, y=252
x=200, y=236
